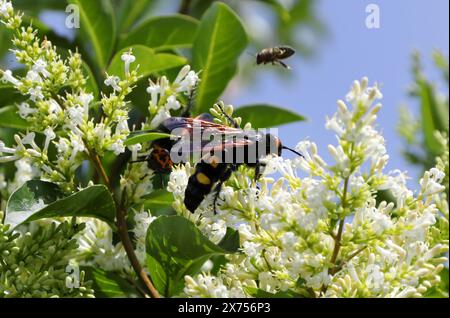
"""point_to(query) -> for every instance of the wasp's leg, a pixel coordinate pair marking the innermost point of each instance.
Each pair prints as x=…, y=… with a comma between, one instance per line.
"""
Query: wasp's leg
x=218, y=188
x=258, y=170
x=284, y=64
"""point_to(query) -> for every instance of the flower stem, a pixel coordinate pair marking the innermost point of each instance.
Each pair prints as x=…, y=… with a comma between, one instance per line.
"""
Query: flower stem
x=338, y=237
x=122, y=229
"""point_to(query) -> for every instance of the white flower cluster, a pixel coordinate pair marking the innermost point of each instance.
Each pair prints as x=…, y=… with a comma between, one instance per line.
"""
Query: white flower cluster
x=324, y=234
x=164, y=95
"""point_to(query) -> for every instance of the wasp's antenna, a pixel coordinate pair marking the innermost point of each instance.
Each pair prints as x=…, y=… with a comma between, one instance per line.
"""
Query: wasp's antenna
x=296, y=152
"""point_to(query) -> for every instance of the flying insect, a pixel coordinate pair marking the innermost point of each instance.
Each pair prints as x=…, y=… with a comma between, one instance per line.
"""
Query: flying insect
x=274, y=55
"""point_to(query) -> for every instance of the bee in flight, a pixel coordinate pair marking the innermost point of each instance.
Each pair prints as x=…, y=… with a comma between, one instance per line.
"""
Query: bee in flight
x=220, y=149
x=274, y=55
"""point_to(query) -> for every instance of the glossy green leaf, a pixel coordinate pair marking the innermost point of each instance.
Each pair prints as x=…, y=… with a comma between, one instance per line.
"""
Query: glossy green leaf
x=149, y=62
x=159, y=202
x=158, y=275
x=434, y=117
x=180, y=249
x=230, y=241
x=37, y=199
x=9, y=118
x=145, y=137
x=131, y=11
x=91, y=82
x=265, y=116
x=36, y=6
x=220, y=40
x=98, y=23
x=163, y=33
x=9, y=95
x=109, y=284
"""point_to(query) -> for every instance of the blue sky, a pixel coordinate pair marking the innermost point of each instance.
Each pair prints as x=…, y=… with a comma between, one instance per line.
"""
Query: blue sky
x=349, y=52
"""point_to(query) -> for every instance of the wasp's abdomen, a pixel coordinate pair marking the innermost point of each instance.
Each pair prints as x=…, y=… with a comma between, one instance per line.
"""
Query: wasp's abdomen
x=201, y=183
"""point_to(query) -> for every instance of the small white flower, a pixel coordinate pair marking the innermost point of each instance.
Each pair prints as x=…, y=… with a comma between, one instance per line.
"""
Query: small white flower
x=77, y=146
x=159, y=118
x=9, y=78
x=54, y=107
x=25, y=110
x=5, y=7
x=33, y=77
x=29, y=140
x=134, y=151
x=76, y=115
x=36, y=93
x=430, y=182
x=172, y=103
x=128, y=58
x=40, y=66
x=113, y=81
x=122, y=127
x=85, y=100
x=49, y=136
x=117, y=147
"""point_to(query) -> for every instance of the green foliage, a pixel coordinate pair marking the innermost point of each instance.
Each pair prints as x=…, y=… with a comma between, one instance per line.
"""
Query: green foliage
x=422, y=143
x=39, y=199
x=9, y=118
x=159, y=202
x=176, y=248
x=149, y=61
x=220, y=40
x=163, y=33
x=98, y=26
x=109, y=284
x=265, y=116
x=34, y=264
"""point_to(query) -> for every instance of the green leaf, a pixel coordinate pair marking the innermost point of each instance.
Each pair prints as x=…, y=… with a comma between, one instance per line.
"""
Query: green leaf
x=434, y=117
x=230, y=241
x=259, y=293
x=163, y=33
x=131, y=11
x=91, y=83
x=159, y=202
x=180, y=249
x=220, y=40
x=36, y=6
x=265, y=116
x=9, y=95
x=158, y=275
x=9, y=118
x=109, y=284
x=98, y=23
x=39, y=199
x=145, y=137
x=149, y=62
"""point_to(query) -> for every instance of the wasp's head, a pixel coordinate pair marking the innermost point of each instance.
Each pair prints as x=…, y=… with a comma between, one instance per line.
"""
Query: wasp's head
x=273, y=145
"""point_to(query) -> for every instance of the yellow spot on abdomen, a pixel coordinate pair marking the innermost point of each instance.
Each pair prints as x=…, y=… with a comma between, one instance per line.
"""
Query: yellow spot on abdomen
x=203, y=178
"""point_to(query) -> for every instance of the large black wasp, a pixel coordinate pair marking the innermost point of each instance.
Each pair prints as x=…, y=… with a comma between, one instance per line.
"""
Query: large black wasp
x=231, y=148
